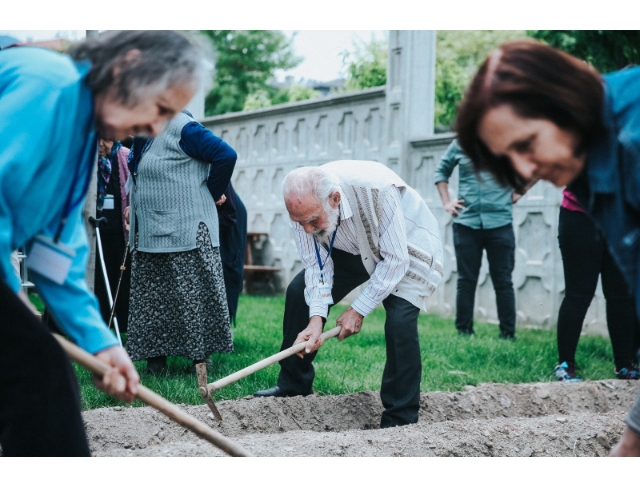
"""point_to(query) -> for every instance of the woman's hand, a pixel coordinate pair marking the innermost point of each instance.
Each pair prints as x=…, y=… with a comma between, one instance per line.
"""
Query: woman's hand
x=122, y=379
x=126, y=218
x=222, y=199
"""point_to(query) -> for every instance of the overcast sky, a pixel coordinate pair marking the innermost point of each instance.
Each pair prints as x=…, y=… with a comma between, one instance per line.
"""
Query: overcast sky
x=320, y=48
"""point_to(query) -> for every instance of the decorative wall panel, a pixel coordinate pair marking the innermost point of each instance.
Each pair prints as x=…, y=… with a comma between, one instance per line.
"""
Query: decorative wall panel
x=373, y=125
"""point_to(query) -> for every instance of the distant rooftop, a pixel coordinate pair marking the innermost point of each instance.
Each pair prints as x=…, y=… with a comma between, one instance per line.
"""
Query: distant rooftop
x=324, y=87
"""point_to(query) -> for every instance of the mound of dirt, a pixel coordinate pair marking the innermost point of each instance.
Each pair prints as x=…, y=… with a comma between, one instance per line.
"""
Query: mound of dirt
x=544, y=419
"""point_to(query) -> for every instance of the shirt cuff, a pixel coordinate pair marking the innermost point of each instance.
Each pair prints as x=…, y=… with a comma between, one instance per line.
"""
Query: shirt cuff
x=439, y=178
x=317, y=308
x=361, y=306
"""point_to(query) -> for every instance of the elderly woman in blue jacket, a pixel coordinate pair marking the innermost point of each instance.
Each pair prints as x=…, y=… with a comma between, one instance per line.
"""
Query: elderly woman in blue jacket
x=118, y=84
x=533, y=112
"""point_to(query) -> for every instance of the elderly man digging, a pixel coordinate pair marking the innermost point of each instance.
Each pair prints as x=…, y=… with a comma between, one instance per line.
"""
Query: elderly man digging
x=358, y=221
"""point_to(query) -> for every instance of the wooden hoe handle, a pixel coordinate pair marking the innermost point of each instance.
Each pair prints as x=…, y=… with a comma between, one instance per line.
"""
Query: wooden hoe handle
x=241, y=374
x=149, y=397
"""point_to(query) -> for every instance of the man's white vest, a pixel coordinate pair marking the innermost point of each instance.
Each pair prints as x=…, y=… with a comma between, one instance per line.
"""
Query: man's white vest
x=365, y=185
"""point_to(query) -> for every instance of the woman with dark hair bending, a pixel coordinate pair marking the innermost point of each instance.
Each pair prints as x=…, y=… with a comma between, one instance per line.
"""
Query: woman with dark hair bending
x=532, y=111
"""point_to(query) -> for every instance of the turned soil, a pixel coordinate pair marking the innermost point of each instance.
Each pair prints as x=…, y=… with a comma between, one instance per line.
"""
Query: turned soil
x=543, y=419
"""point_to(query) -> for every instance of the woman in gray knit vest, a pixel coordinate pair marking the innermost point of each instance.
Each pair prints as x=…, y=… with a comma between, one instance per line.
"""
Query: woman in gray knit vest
x=178, y=301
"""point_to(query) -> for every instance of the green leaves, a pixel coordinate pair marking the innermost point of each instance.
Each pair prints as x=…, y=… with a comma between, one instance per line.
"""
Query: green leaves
x=246, y=60
x=458, y=56
x=366, y=65
x=605, y=50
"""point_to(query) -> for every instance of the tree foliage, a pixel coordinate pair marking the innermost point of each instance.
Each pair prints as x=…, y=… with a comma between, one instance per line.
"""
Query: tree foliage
x=606, y=50
x=458, y=56
x=246, y=60
x=366, y=65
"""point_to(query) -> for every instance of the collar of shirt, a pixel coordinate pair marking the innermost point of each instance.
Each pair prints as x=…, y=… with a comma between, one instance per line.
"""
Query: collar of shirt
x=345, y=208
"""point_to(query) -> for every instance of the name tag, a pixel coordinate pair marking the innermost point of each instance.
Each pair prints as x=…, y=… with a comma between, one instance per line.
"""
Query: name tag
x=109, y=203
x=128, y=184
x=49, y=259
x=325, y=294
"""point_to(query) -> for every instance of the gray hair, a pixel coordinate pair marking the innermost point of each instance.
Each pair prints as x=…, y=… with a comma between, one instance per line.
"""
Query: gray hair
x=310, y=180
x=167, y=59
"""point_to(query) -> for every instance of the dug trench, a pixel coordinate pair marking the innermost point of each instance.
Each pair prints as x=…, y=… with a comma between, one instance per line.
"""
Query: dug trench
x=541, y=419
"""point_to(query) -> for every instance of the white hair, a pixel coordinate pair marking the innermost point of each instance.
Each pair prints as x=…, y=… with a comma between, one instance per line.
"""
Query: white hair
x=310, y=180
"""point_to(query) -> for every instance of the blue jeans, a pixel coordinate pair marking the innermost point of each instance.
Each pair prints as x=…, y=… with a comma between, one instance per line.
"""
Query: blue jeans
x=500, y=246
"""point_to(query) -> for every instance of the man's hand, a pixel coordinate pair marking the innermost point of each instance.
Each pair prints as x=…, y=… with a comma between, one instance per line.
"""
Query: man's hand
x=222, y=199
x=126, y=218
x=351, y=322
x=311, y=334
x=122, y=380
x=453, y=206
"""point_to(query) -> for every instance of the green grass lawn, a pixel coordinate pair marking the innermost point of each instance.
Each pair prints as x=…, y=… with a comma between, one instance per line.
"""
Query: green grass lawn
x=449, y=362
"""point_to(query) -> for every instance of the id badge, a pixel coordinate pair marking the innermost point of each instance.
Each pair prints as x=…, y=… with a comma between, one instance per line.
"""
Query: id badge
x=325, y=294
x=109, y=203
x=49, y=259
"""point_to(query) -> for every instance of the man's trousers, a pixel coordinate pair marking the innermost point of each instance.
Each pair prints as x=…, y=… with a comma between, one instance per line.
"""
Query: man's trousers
x=39, y=399
x=400, y=389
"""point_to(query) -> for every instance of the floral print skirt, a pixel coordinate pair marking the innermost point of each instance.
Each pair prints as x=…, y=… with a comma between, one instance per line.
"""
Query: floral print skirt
x=178, y=303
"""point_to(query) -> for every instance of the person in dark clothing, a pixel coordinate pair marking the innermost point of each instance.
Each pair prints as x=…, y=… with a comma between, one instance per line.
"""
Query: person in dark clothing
x=232, y=218
x=111, y=203
x=585, y=257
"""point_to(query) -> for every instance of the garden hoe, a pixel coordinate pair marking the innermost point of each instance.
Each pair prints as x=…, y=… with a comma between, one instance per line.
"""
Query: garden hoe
x=149, y=397
x=207, y=390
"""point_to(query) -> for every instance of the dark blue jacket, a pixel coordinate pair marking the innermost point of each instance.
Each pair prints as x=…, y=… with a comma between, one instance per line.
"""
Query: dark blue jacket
x=609, y=186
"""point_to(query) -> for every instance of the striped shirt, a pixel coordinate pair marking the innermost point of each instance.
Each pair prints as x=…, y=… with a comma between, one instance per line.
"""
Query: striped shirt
x=389, y=271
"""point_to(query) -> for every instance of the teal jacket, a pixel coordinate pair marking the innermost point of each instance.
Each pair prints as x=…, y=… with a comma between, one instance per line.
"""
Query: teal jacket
x=48, y=146
x=609, y=186
x=487, y=204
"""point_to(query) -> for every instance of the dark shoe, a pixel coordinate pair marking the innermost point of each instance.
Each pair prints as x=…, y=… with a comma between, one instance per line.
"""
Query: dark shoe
x=630, y=373
x=507, y=336
x=156, y=365
x=466, y=332
x=277, y=392
x=386, y=422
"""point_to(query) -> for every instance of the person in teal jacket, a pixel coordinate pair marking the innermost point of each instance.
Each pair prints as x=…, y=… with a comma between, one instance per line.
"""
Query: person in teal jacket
x=52, y=108
x=482, y=221
x=534, y=112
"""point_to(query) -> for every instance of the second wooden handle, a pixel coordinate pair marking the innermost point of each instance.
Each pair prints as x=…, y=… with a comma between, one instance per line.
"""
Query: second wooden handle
x=149, y=397
x=241, y=374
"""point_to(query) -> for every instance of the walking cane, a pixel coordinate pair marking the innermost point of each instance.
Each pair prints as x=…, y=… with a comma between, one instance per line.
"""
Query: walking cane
x=115, y=298
x=96, y=223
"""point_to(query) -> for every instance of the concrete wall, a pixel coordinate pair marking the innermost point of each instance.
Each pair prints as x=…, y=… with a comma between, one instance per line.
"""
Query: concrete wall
x=392, y=125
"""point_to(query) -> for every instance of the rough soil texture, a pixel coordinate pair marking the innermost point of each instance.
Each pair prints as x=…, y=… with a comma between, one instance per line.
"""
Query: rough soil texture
x=543, y=419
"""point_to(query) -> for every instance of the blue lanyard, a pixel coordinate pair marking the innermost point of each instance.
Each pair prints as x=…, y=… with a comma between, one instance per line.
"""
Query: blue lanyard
x=320, y=263
x=71, y=205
